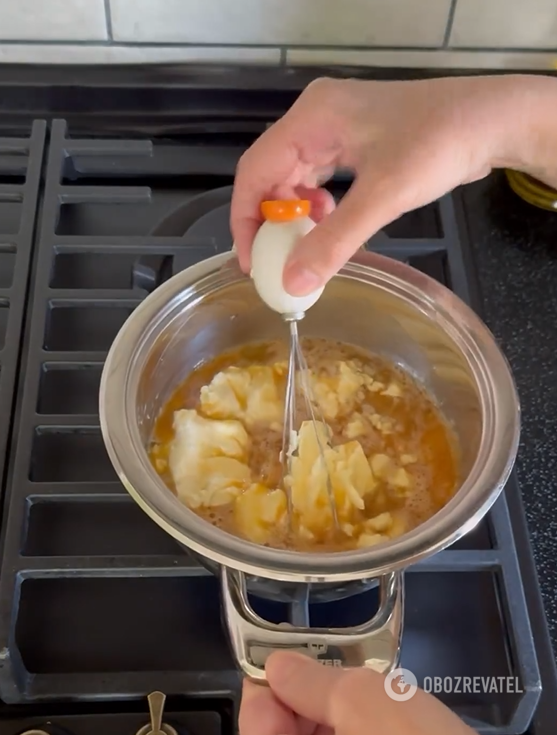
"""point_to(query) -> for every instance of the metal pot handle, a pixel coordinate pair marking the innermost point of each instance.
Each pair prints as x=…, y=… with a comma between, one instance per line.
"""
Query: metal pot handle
x=374, y=644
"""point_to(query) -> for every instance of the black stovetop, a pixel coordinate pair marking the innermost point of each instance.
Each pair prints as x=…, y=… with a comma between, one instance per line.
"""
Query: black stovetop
x=98, y=607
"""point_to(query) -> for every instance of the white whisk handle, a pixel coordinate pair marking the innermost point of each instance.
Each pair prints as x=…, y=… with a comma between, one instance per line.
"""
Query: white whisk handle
x=374, y=644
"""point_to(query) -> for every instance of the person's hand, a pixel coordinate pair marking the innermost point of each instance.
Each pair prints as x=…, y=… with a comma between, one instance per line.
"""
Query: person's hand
x=306, y=698
x=408, y=143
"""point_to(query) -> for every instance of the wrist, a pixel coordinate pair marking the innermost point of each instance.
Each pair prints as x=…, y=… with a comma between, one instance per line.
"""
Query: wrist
x=524, y=126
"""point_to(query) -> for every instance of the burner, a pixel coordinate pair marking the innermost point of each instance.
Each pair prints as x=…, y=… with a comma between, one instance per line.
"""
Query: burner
x=203, y=222
x=205, y=218
x=156, y=708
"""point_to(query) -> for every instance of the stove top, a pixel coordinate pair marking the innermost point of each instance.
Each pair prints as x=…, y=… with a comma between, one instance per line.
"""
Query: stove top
x=98, y=606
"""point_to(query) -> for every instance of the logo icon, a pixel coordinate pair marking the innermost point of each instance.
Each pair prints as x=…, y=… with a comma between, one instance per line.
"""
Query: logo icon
x=401, y=685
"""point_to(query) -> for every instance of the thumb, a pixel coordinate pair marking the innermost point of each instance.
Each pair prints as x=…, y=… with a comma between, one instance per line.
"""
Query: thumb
x=365, y=209
x=303, y=685
x=332, y=697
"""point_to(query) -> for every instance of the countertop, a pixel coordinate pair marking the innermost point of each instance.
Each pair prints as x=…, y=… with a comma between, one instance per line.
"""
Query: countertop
x=515, y=250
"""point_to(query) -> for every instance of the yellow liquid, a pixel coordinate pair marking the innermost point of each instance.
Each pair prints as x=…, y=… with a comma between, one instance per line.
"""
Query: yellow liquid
x=417, y=431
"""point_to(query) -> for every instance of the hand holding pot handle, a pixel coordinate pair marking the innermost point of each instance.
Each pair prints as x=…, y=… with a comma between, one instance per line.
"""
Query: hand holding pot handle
x=374, y=644
x=304, y=698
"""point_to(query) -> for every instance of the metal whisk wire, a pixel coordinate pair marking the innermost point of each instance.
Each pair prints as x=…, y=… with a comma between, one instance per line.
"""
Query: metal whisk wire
x=298, y=368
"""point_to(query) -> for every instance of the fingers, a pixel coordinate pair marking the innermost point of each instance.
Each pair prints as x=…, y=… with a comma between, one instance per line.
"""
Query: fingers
x=363, y=211
x=322, y=202
x=331, y=697
x=245, y=228
x=270, y=161
x=245, y=215
x=350, y=701
x=303, y=685
x=271, y=169
x=262, y=714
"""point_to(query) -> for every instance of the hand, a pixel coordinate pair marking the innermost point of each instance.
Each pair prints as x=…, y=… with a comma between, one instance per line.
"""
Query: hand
x=408, y=143
x=306, y=698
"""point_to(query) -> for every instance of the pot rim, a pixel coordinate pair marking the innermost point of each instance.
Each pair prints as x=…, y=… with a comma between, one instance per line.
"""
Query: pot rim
x=479, y=491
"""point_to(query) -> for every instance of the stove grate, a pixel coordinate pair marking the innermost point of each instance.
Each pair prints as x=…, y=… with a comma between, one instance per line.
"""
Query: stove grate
x=95, y=600
x=20, y=170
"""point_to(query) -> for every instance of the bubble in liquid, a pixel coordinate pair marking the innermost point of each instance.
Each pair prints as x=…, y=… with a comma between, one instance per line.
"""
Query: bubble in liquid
x=419, y=502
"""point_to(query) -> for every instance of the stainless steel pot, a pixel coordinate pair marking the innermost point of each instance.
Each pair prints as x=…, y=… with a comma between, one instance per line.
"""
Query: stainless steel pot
x=376, y=303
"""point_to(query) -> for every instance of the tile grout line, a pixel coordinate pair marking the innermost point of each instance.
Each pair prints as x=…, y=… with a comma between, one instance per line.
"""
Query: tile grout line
x=283, y=50
x=428, y=49
x=277, y=47
x=450, y=22
x=108, y=20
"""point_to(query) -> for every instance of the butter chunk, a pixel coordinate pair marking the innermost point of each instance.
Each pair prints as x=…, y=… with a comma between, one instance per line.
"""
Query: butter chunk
x=393, y=389
x=161, y=465
x=317, y=469
x=386, y=470
x=208, y=459
x=398, y=526
x=258, y=512
x=383, y=424
x=252, y=395
x=370, y=539
x=381, y=466
x=400, y=479
x=380, y=523
x=338, y=393
x=355, y=428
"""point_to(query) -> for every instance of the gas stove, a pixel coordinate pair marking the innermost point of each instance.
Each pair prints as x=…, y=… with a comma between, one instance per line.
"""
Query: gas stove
x=99, y=608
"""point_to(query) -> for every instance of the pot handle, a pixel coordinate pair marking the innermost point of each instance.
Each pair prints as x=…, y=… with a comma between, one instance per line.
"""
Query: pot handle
x=374, y=644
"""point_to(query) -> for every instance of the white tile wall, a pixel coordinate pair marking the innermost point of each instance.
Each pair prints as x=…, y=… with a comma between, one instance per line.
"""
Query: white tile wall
x=505, y=24
x=511, y=61
x=23, y=53
x=282, y=22
x=52, y=20
x=497, y=34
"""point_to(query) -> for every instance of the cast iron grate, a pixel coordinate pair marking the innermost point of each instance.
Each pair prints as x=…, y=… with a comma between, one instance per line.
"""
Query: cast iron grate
x=96, y=601
x=20, y=170
x=212, y=717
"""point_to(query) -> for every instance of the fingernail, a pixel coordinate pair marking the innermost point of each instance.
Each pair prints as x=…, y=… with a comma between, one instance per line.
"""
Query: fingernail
x=301, y=281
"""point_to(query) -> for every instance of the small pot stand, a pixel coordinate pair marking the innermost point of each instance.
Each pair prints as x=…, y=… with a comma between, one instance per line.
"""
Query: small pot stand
x=374, y=644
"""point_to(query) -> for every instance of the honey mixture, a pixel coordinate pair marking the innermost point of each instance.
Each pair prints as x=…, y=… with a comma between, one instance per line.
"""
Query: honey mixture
x=390, y=457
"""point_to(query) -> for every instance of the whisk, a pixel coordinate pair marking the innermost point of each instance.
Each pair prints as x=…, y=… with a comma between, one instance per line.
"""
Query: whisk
x=298, y=368
x=286, y=222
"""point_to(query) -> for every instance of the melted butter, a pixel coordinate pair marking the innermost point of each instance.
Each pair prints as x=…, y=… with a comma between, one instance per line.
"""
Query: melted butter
x=410, y=448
